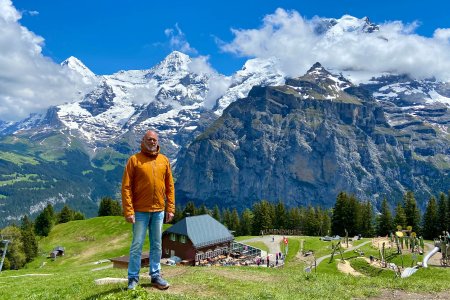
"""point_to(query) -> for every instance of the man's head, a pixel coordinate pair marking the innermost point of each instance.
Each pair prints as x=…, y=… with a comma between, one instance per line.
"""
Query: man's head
x=150, y=141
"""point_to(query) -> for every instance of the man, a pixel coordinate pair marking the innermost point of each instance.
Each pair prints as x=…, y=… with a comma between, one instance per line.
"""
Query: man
x=147, y=197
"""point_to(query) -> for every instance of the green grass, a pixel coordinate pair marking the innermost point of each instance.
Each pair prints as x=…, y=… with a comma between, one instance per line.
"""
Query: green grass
x=20, y=178
x=17, y=158
x=259, y=245
x=89, y=241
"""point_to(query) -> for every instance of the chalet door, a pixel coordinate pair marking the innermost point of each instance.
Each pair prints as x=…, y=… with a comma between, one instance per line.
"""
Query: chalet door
x=172, y=253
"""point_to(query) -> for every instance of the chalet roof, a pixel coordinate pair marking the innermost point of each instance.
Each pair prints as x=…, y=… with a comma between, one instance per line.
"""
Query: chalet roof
x=202, y=230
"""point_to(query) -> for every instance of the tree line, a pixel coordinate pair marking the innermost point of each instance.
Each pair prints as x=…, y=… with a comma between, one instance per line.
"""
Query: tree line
x=348, y=216
x=264, y=215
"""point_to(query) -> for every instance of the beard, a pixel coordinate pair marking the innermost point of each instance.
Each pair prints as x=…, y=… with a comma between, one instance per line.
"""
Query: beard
x=151, y=148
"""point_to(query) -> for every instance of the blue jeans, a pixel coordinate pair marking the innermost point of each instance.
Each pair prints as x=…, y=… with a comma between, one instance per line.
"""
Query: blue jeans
x=152, y=221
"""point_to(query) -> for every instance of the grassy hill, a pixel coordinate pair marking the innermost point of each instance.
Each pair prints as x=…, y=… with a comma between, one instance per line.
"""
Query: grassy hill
x=89, y=242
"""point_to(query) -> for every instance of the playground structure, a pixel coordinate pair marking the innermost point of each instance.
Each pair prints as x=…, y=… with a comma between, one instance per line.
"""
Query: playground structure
x=441, y=244
x=400, y=243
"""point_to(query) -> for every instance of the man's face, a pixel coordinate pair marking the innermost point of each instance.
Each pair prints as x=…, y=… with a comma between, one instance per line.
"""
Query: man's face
x=151, y=140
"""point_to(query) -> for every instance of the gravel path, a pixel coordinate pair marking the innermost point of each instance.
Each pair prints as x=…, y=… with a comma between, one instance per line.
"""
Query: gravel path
x=271, y=241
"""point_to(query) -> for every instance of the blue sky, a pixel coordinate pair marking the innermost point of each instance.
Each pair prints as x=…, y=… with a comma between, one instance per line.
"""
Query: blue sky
x=109, y=36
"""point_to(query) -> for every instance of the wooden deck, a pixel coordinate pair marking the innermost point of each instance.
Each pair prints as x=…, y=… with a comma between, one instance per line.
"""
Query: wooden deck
x=121, y=262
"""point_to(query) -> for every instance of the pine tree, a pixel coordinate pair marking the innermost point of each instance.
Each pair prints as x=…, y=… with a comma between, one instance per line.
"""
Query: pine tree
x=30, y=244
x=353, y=215
x=412, y=211
x=202, y=210
x=280, y=216
x=327, y=221
x=189, y=210
x=78, y=216
x=226, y=217
x=246, y=222
x=109, y=207
x=51, y=212
x=384, y=220
x=338, y=220
x=366, y=220
x=262, y=217
x=400, y=216
x=44, y=221
x=294, y=218
x=311, y=222
x=442, y=213
x=66, y=215
x=216, y=213
x=234, y=221
x=430, y=220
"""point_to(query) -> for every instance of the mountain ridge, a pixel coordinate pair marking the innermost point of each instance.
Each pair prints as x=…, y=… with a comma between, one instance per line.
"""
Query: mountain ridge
x=183, y=103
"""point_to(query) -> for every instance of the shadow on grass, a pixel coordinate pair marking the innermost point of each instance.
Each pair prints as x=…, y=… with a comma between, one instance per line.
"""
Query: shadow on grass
x=145, y=286
x=100, y=295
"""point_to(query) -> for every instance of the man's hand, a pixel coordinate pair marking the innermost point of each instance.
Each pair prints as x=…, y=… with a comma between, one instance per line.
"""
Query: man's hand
x=169, y=217
x=130, y=219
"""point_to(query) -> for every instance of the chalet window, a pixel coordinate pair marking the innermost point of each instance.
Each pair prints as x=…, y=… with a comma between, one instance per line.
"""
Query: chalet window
x=183, y=239
x=173, y=237
x=167, y=251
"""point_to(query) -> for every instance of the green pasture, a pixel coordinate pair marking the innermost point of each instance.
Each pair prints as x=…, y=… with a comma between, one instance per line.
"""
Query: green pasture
x=89, y=243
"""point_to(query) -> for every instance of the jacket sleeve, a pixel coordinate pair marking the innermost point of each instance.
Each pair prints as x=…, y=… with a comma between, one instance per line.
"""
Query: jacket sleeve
x=170, y=190
x=127, y=193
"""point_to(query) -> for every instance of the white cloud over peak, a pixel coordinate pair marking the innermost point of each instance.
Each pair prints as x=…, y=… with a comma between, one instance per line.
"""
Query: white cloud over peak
x=178, y=40
x=217, y=83
x=29, y=81
x=344, y=45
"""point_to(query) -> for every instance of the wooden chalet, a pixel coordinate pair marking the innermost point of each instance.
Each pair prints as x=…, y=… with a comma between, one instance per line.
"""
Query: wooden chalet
x=196, y=238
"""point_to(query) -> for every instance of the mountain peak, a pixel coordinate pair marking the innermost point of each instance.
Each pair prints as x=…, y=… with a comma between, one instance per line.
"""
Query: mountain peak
x=76, y=65
x=346, y=24
x=319, y=83
x=317, y=70
x=175, y=62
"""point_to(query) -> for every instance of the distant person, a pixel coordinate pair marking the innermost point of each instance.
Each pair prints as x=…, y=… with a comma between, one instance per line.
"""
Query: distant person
x=148, y=196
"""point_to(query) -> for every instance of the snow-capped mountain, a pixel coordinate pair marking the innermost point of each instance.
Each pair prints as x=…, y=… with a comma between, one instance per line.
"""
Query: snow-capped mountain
x=254, y=72
x=79, y=148
x=168, y=97
x=410, y=101
x=75, y=65
x=336, y=27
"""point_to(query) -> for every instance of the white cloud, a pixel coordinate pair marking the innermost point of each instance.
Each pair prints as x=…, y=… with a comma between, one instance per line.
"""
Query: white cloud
x=29, y=81
x=178, y=40
x=33, y=12
x=298, y=44
x=442, y=34
x=217, y=83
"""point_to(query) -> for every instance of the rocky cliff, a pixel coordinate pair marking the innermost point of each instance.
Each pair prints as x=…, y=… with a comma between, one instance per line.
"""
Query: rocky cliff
x=304, y=142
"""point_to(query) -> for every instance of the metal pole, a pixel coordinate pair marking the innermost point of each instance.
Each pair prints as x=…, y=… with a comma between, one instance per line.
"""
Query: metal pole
x=4, y=253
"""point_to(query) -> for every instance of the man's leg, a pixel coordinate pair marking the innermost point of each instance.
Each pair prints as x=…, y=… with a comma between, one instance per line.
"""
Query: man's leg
x=155, y=231
x=139, y=230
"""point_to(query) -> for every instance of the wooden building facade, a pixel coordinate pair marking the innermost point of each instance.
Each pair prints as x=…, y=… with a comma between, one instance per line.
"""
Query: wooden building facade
x=196, y=238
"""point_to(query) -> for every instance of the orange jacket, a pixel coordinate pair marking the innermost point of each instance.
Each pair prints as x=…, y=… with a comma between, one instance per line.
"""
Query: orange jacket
x=147, y=184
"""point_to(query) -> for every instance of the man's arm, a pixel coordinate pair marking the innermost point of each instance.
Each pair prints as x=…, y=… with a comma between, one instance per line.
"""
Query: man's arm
x=127, y=194
x=170, y=193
